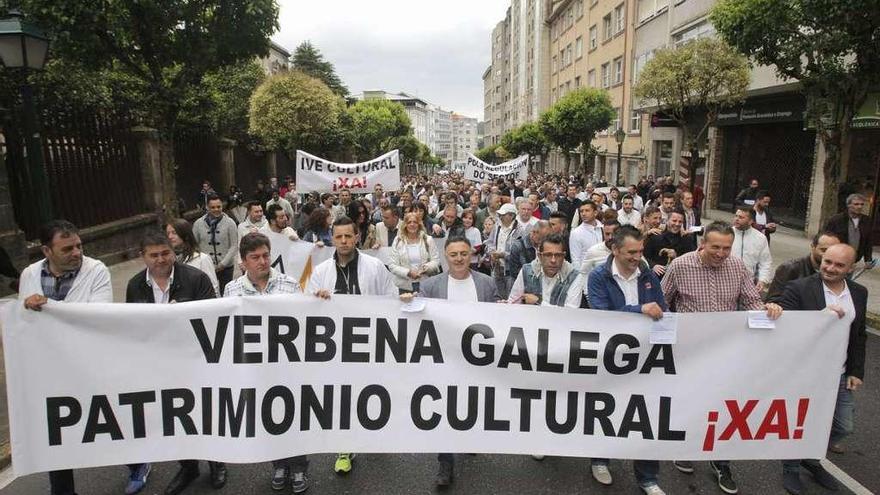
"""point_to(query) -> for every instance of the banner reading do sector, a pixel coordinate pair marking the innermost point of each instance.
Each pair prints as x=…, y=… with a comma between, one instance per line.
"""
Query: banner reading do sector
x=479, y=171
x=250, y=379
x=317, y=174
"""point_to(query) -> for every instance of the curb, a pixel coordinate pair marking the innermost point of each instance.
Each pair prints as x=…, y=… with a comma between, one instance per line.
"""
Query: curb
x=873, y=320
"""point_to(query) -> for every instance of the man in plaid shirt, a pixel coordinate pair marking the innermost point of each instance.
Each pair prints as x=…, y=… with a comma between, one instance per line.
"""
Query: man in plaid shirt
x=710, y=280
x=261, y=279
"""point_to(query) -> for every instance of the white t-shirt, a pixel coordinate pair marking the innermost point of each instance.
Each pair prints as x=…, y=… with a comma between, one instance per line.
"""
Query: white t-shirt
x=461, y=290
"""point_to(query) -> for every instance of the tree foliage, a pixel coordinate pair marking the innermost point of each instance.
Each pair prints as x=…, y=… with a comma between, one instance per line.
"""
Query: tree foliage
x=831, y=47
x=526, y=139
x=163, y=46
x=292, y=110
x=702, y=76
x=309, y=60
x=487, y=154
x=574, y=120
x=221, y=103
x=375, y=124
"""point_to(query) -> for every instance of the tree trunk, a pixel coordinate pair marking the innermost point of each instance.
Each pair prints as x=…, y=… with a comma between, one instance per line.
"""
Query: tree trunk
x=169, y=177
x=831, y=170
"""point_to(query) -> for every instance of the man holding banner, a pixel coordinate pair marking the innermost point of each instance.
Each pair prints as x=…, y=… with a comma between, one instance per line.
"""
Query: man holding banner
x=707, y=280
x=261, y=279
x=63, y=275
x=350, y=272
x=624, y=283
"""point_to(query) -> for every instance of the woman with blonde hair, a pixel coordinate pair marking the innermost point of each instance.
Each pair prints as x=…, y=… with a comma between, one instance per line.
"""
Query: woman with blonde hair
x=414, y=255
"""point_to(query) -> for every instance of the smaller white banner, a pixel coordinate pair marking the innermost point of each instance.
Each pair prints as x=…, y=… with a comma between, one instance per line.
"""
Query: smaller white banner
x=317, y=174
x=479, y=171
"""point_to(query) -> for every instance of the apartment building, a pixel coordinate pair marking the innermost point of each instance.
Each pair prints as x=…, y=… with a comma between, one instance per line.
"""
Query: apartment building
x=465, y=133
x=496, y=84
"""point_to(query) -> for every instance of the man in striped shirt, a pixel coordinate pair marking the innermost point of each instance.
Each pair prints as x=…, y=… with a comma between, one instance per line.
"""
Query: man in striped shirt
x=708, y=280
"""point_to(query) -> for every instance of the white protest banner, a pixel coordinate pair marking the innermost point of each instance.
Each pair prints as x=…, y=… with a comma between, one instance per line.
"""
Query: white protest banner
x=318, y=174
x=297, y=258
x=479, y=171
x=260, y=378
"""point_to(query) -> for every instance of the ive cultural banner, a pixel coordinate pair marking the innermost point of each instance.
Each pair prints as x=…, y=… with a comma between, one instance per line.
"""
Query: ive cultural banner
x=479, y=171
x=254, y=379
x=318, y=174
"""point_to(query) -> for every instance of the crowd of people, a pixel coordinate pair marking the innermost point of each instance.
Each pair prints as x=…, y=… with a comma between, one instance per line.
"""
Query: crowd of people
x=547, y=241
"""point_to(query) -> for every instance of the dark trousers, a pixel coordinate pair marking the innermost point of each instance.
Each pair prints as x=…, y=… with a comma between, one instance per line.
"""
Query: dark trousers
x=61, y=482
x=224, y=276
x=299, y=463
x=450, y=458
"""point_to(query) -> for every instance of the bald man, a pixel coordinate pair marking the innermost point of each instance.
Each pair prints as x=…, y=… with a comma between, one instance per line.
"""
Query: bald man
x=830, y=290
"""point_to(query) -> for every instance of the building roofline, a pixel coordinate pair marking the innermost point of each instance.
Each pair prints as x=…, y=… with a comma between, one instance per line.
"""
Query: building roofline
x=279, y=48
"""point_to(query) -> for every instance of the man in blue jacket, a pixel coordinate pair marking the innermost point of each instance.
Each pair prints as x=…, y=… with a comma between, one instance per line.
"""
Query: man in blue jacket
x=625, y=283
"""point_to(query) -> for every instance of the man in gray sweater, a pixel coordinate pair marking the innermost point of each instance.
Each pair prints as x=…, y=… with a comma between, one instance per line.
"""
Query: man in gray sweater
x=217, y=236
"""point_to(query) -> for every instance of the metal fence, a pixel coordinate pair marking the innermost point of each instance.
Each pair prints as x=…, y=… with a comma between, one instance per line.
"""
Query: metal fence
x=91, y=163
x=250, y=167
x=197, y=159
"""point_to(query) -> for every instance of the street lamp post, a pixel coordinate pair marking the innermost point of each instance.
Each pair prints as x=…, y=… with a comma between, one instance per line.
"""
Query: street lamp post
x=619, y=136
x=24, y=46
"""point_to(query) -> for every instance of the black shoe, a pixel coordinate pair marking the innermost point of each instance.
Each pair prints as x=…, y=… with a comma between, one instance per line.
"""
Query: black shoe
x=445, y=475
x=821, y=475
x=181, y=480
x=791, y=481
x=218, y=474
x=725, y=478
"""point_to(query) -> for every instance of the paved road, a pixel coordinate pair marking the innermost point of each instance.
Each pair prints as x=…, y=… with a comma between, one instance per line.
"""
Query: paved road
x=491, y=474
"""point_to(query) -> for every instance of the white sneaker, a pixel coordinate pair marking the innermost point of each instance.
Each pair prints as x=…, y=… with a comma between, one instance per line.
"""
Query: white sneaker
x=601, y=474
x=653, y=490
x=538, y=457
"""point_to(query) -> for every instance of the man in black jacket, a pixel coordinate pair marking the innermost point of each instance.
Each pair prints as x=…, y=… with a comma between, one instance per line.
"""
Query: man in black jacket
x=165, y=281
x=661, y=249
x=829, y=289
x=853, y=227
x=801, y=267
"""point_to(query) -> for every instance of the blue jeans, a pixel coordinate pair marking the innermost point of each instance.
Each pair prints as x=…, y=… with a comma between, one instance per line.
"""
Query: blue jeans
x=646, y=472
x=841, y=426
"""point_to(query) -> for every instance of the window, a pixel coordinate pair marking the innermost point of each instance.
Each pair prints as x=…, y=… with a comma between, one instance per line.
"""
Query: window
x=594, y=37
x=553, y=65
x=568, y=55
x=553, y=94
x=618, y=70
x=591, y=78
x=606, y=75
x=606, y=28
x=568, y=87
x=615, y=122
x=579, y=47
x=577, y=82
x=619, y=18
x=569, y=18
x=579, y=9
x=650, y=8
x=663, y=158
x=639, y=64
x=635, y=121
x=701, y=30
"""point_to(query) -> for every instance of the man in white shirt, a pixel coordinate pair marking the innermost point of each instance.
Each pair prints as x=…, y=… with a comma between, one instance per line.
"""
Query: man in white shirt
x=279, y=222
x=524, y=209
x=638, y=202
x=255, y=221
x=751, y=246
x=549, y=280
x=283, y=203
x=598, y=253
x=629, y=214
x=585, y=235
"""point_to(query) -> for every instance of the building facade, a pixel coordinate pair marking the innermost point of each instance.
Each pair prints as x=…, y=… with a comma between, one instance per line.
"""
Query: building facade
x=278, y=59
x=465, y=134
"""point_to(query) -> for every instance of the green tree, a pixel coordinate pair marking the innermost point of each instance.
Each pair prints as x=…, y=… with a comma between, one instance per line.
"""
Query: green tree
x=409, y=148
x=221, y=103
x=487, y=154
x=308, y=59
x=164, y=47
x=526, y=139
x=693, y=83
x=830, y=47
x=574, y=120
x=292, y=111
x=375, y=124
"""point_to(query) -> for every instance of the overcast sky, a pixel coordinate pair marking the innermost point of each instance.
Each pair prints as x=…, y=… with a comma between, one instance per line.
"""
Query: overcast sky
x=436, y=50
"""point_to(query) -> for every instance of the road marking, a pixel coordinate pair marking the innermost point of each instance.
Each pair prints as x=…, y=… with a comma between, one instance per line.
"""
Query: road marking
x=6, y=477
x=845, y=479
